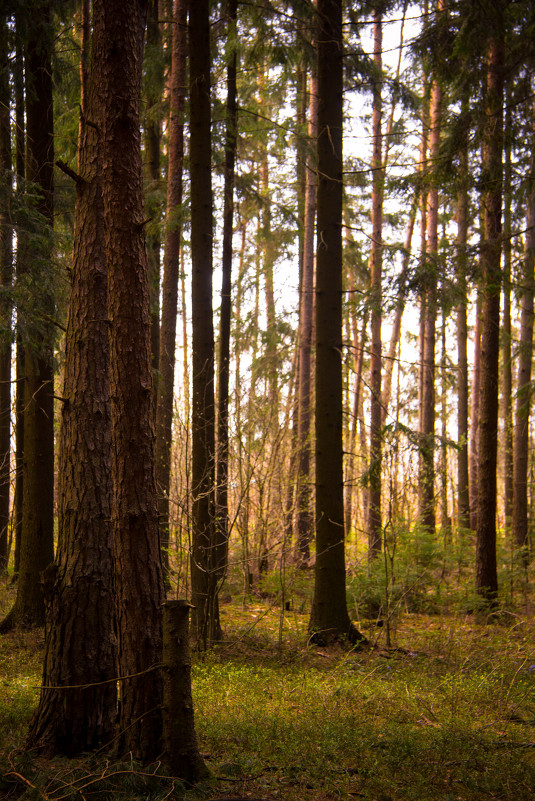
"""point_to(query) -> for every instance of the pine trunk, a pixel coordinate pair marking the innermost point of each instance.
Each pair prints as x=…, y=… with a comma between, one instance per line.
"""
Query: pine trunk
x=486, y=569
x=329, y=618
x=376, y=260
x=138, y=574
x=171, y=262
x=205, y=616
x=81, y=647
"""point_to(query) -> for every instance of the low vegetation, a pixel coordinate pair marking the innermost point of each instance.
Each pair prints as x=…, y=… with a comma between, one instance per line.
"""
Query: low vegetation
x=447, y=711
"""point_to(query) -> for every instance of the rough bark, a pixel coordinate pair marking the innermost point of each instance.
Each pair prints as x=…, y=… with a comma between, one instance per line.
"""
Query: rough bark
x=181, y=751
x=329, y=618
x=138, y=573
x=81, y=646
x=486, y=569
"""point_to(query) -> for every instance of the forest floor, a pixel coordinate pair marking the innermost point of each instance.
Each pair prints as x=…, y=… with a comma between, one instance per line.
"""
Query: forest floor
x=447, y=711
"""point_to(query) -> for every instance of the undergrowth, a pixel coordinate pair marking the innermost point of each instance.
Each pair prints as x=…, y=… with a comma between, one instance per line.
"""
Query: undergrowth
x=446, y=712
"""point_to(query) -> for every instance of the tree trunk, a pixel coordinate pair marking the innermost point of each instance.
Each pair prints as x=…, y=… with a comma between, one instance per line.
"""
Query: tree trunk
x=329, y=618
x=222, y=460
x=138, y=574
x=173, y=233
x=427, y=423
x=374, y=525
x=506, y=336
x=463, y=482
x=37, y=543
x=305, y=517
x=474, y=414
x=81, y=647
x=523, y=384
x=6, y=278
x=205, y=625
x=153, y=136
x=486, y=570
x=181, y=751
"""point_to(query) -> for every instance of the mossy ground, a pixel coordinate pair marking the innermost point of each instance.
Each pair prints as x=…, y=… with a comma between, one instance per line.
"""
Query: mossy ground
x=447, y=712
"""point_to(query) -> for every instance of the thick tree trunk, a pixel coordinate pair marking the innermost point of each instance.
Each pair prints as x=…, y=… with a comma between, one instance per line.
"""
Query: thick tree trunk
x=374, y=524
x=138, y=573
x=205, y=622
x=173, y=232
x=329, y=618
x=486, y=570
x=81, y=647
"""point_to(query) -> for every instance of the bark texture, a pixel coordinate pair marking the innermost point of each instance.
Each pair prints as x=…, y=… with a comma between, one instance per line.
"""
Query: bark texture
x=329, y=618
x=139, y=584
x=81, y=646
x=486, y=570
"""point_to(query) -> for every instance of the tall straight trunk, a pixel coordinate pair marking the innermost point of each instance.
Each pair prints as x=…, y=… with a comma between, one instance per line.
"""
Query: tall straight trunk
x=374, y=525
x=6, y=277
x=329, y=618
x=37, y=535
x=222, y=460
x=81, y=646
x=506, y=336
x=523, y=384
x=153, y=136
x=359, y=342
x=486, y=569
x=463, y=482
x=20, y=149
x=474, y=414
x=134, y=517
x=205, y=623
x=430, y=278
x=171, y=262
x=305, y=516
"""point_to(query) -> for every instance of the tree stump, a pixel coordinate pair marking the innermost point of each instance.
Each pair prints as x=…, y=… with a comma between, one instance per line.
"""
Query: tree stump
x=180, y=742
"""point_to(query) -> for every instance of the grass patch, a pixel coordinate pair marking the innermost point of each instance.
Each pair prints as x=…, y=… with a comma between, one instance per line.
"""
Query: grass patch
x=448, y=713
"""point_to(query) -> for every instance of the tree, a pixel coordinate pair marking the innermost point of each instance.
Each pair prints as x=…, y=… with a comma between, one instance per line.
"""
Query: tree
x=523, y=385
x=205, y=624
x=376, y=260
x=37, y=543
x=427, y=423
x=6, y=276
x=329, y=619
x=81, y=645
x=165, y=396
x=486, y=569
x=138, y=573
x=222, y=453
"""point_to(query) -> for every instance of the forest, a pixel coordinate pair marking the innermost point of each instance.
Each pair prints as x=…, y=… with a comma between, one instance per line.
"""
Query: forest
x=267, y=451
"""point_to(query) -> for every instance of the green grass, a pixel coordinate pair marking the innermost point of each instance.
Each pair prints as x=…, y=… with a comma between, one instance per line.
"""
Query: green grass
x=447, y=713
